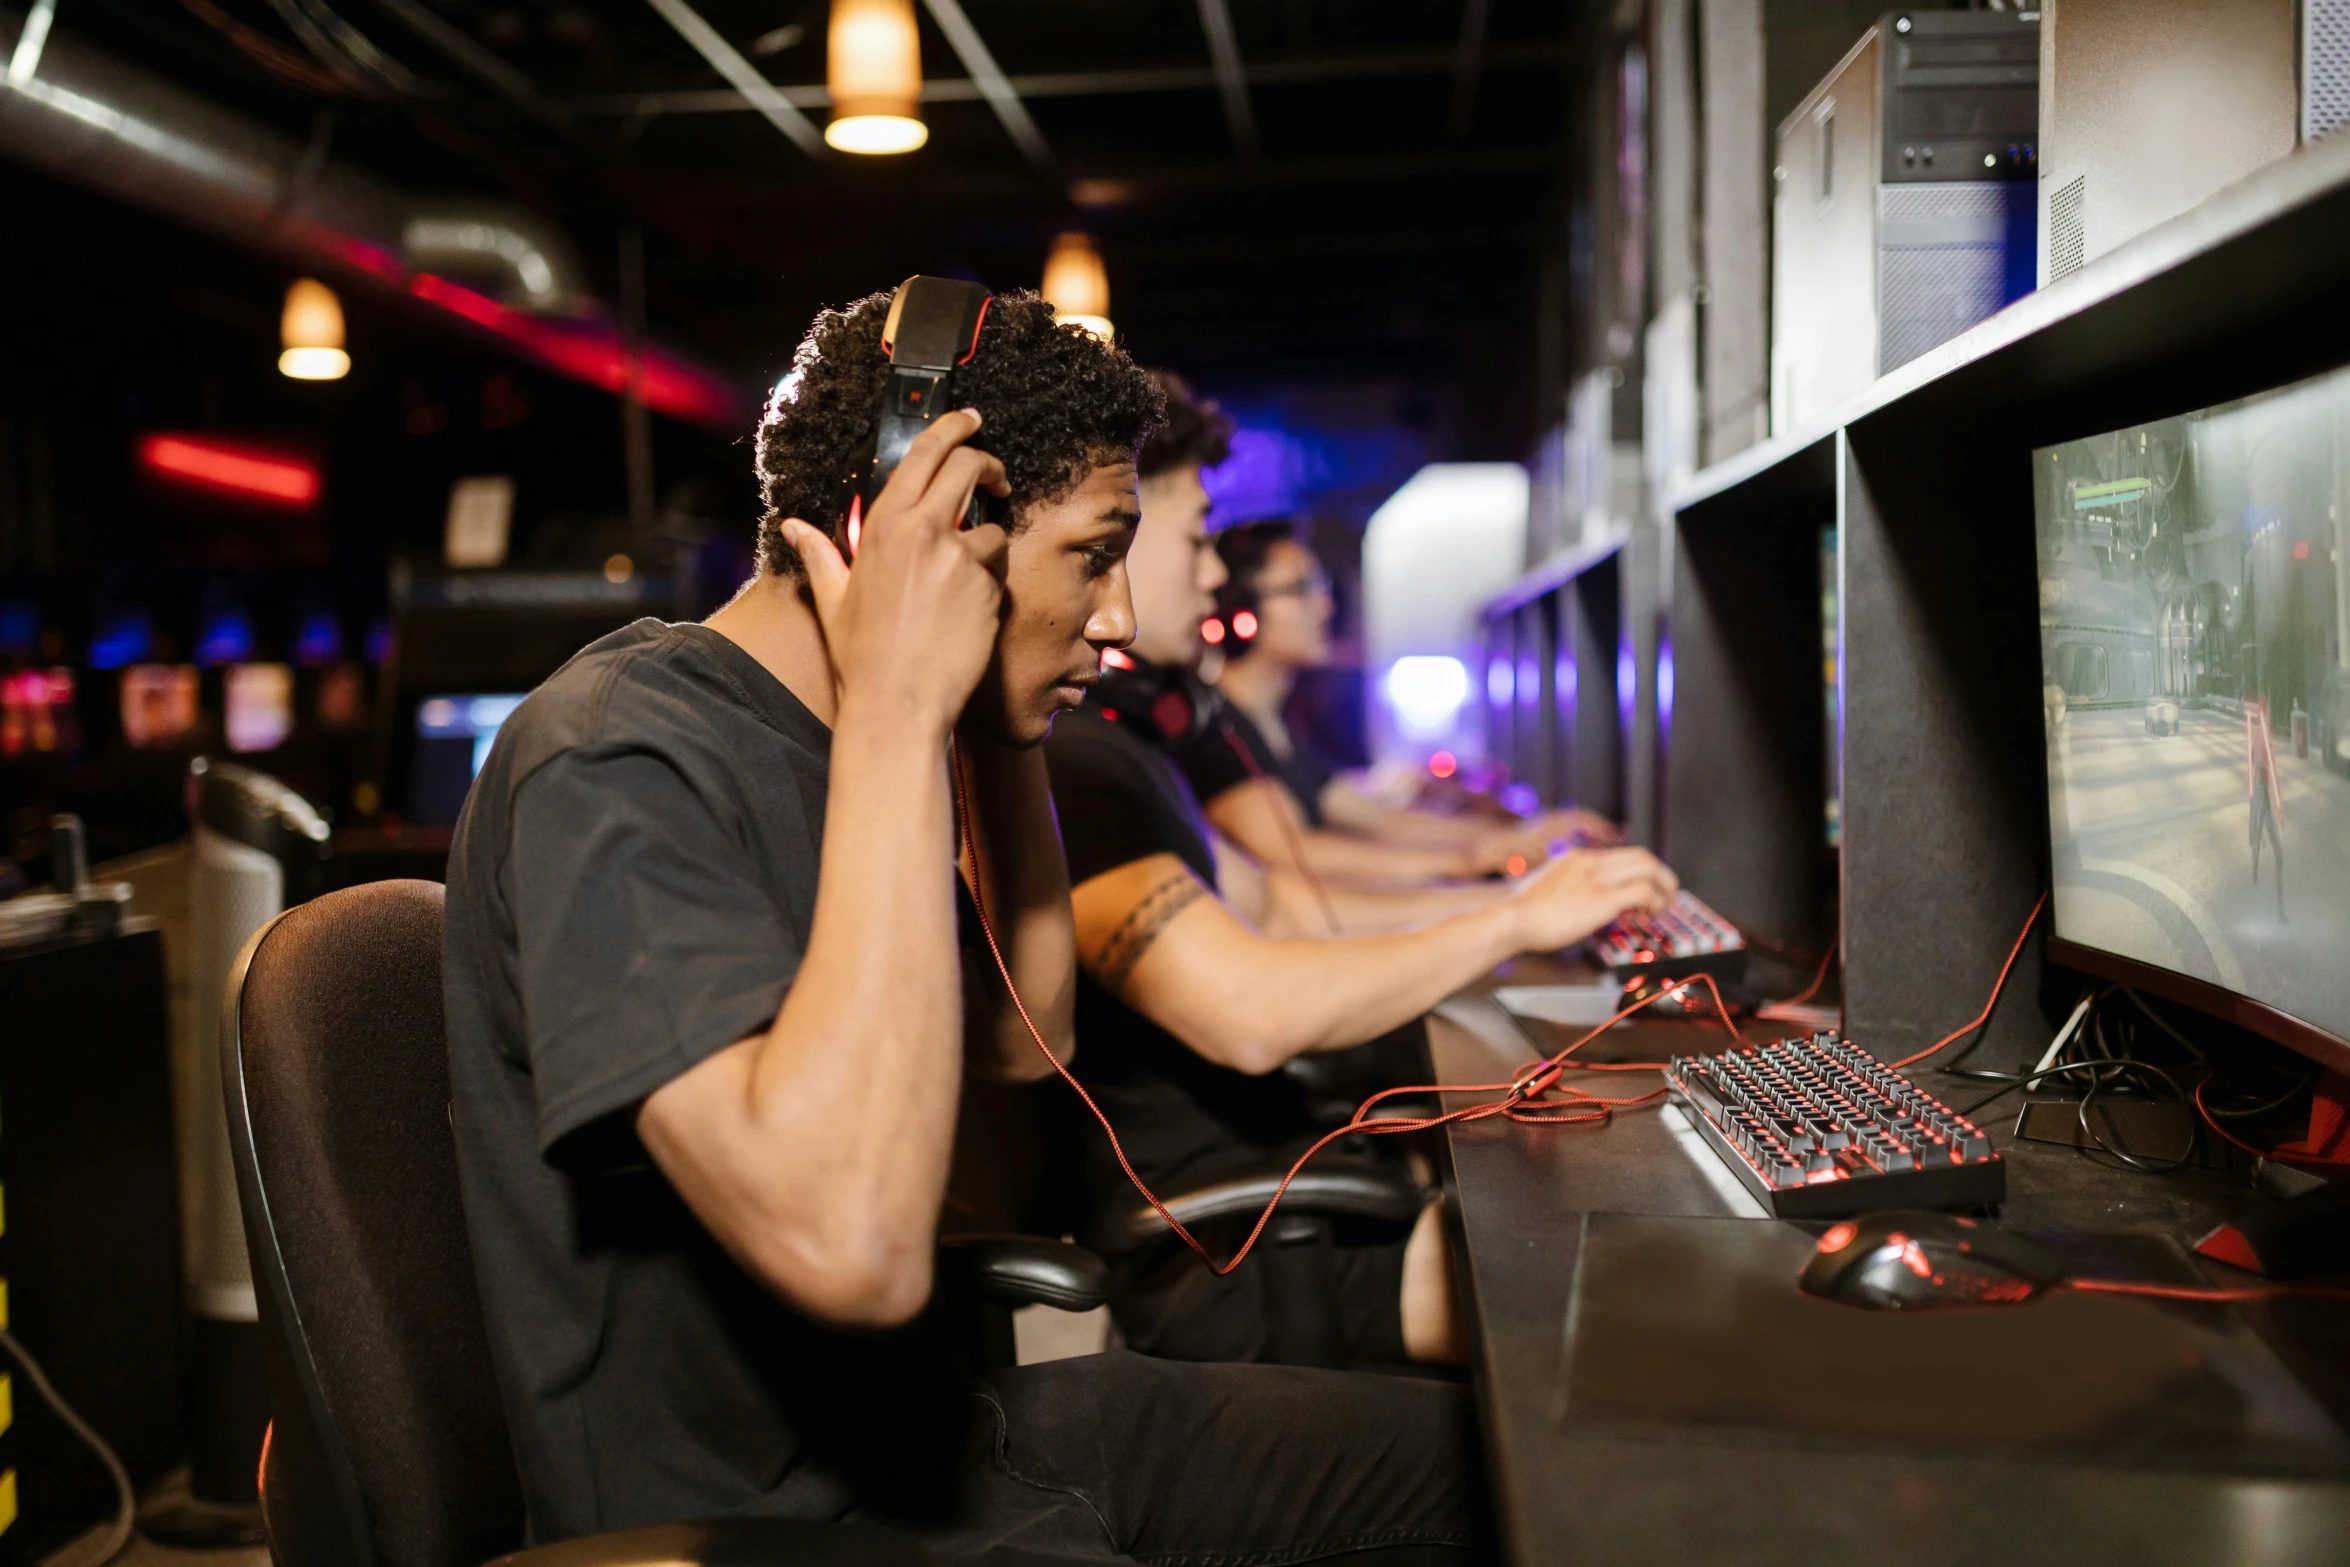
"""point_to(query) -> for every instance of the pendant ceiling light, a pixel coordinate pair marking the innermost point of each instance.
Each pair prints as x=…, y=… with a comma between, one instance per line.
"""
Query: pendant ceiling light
x=873, y=66
x=311, y=332
x=1077, y=286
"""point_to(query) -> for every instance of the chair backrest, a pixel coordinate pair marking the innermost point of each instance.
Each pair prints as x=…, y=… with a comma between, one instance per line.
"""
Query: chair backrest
x=388, y=1446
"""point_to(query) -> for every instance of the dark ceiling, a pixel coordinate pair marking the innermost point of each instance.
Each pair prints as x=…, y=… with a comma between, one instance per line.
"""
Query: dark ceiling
x=1365, y=198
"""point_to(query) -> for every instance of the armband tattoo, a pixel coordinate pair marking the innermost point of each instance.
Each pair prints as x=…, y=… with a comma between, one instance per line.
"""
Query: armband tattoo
x=1142, y=926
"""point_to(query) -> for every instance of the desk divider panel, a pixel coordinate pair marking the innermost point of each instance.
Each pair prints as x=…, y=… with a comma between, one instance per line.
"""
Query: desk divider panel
x=1745, y=782
x=1945, y=839
x=1591, y=627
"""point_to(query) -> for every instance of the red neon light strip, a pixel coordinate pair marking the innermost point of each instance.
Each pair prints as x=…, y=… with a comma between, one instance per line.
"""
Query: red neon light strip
x=238, y=470
x=592, y=351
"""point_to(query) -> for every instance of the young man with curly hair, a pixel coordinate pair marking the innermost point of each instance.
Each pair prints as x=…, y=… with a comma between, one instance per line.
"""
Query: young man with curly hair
x=710, y=1007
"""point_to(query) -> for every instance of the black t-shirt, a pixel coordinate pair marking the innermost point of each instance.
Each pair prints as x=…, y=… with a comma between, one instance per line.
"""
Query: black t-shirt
x=630, y=891
x=1181, y=1117
x=1212, y=762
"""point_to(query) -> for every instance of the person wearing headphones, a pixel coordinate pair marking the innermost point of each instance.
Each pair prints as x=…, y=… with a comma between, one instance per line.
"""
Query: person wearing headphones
x=1205, y=972
x=712, y=990
x=1267, y=790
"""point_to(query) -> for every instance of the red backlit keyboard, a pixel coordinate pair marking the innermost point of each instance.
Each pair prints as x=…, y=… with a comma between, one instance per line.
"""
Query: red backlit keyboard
x=1820, y=1129
x=1686, y=938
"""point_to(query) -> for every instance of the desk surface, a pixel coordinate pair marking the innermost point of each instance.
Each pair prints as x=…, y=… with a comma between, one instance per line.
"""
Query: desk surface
x=1518, y=1197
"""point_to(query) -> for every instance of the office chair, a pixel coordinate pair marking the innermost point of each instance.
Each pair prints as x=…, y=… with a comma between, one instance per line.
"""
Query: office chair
x=388, y=1446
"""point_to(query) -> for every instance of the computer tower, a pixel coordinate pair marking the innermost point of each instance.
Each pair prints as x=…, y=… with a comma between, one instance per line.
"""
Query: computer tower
x=2149, y=106
x=1903, y=205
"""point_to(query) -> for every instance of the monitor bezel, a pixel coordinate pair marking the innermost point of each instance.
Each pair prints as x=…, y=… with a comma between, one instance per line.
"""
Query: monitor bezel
x=2218, y=1001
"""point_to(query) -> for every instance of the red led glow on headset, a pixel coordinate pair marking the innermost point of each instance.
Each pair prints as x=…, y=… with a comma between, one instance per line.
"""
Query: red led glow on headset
x=1115, y=659
x=1211, y=631
x=856, y=527
x=1244, y=624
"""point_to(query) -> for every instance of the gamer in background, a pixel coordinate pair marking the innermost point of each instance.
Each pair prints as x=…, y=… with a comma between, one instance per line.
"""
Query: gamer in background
x=1284, y=794
x=1204, y=972
x=707, y=1031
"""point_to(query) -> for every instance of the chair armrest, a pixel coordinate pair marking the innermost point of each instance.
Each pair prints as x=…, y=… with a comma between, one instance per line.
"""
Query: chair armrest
x=1331, y=1187
x=1023, y=1270
x=765, y=1542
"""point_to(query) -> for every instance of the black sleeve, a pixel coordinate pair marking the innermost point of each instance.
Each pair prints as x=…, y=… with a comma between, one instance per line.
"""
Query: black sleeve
x=643, y=943
x=1111, y=811
x=1212, y=762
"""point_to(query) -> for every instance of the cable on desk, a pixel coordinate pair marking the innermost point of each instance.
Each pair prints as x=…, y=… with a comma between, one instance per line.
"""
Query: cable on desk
x=1997, y=986
x=2260, y=1153
x=2216, y=1296
x=1523, y=1096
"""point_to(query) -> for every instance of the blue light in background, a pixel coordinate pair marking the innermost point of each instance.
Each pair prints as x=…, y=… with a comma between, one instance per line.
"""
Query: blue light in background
x=379, y=643
x=20, y=628
x=319, y=641
x=1282, y=462
x=227, y=638
x=122, y=639
x=1497, y=683
x=1565, y=677
x=1664, y=685
x=1624, y=673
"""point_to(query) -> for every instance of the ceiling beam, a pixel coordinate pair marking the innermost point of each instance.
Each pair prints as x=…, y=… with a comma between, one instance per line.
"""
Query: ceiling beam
x=991, y=83
x=1468, y=61
x=757, y=91
x=1089, y=84
x=480, y=61
x=1231, y=80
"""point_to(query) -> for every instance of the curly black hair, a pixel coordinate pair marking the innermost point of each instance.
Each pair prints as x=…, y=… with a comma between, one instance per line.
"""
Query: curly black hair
x=1196, y=433
x=1059, y=402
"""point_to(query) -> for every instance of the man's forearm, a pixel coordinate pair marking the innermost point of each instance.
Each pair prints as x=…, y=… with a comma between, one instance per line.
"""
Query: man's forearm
x=1291, y=997
x=1348, y=808
x=1296, y=910
x=1026, y=889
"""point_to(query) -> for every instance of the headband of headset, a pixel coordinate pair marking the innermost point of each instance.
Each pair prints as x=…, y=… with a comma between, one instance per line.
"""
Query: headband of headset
x=932, y=332
x=1170, y=705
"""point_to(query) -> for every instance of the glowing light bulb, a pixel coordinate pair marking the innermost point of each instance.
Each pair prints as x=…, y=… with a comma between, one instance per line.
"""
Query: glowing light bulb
x=310, y=332
x=873, y=68
x=1077, y=285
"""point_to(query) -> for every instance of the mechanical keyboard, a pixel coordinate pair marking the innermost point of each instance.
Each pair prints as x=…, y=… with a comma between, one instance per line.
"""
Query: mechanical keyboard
x=1686, y=938
x=1820, y=1129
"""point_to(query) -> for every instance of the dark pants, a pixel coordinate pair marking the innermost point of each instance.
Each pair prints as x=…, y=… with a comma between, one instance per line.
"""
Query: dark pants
x=1121, y=1457
x=1315, y=1292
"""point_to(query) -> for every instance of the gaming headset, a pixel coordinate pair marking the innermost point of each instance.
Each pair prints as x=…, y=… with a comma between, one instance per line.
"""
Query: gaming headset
x=932, y=331
x=1170, y=705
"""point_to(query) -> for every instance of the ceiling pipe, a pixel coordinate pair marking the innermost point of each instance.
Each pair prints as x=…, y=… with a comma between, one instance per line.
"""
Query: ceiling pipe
x=86, y=117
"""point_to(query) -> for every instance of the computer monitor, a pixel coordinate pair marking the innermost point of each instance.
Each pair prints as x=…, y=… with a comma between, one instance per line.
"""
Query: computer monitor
x=2194, y=605
x=453, y=735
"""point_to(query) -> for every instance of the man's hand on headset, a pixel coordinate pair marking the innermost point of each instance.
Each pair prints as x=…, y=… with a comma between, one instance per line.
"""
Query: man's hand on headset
x=911, y=629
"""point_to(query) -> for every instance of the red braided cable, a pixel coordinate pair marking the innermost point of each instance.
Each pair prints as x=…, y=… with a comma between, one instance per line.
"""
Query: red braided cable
x=2217, y=1296
x=1519, y=1092
x=2259, y=1153
x=1997, y=985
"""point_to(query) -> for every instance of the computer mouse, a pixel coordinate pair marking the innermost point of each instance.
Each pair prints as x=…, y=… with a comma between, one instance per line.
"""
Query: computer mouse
x=1912, y=1260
